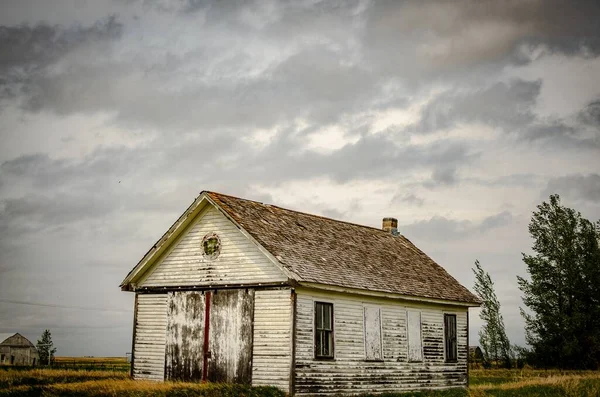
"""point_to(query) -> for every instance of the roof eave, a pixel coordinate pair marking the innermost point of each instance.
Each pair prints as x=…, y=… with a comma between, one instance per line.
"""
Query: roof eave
x=389, y=295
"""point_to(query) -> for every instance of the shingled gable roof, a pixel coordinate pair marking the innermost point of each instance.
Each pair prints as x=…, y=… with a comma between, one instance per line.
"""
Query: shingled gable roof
x=320, y=250
x=317, y=250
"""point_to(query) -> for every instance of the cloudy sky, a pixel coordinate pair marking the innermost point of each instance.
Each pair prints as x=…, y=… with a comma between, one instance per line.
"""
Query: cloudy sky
x=457, y=118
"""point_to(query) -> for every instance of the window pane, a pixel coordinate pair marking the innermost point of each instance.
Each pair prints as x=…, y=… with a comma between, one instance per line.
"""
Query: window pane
x=319, y=343
x=324, y=316
x=450, y=335
x=319, y=316
x=327, y=317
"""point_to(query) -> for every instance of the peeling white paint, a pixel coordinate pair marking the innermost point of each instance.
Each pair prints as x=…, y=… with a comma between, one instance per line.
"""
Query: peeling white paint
x=372, y=327
x=230, y=337
x=240, y=260
x=351, y=373
x=185, y=335
x=150, y=337
x=415, y=341
x=272, y=357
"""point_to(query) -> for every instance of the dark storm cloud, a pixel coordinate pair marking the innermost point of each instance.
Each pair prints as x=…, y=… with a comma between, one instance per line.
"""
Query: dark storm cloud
x=26, y=51
x=445, y=37
x=509, y=106
x=283, y=17
x=46, y=173
x=518, y=180
x=505, y=105
x=410, y=199
x=372, y=156
x=322, y=82
x=557, y=133
x=590, y=115
x=321, y=86
x=566, y=27
x=183, y=6
x=575, y=187
x=314, y=84
x=22, y=46
x=443, y=176
x=37, y=213
x=77, y=190
x=439, y=228
x=319, y=81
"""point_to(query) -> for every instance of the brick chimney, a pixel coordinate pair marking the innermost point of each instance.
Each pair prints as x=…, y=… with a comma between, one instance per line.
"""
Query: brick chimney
x=390, y=225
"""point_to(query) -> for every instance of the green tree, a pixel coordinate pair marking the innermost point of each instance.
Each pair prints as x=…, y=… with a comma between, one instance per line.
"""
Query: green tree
x=562, y=294
x=46, y=348
x=492, y=336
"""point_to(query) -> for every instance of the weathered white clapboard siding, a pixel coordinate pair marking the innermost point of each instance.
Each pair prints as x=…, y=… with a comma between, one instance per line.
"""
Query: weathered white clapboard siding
x=350, y=373
x=240, y=261
x=150, y=337
x=272, y=358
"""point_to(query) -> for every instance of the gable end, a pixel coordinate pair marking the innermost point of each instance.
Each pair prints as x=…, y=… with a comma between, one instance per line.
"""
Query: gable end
x=178, y=259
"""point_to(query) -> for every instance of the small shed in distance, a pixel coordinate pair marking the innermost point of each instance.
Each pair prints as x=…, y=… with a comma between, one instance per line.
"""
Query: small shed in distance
x=475, y=353
x=15, y=349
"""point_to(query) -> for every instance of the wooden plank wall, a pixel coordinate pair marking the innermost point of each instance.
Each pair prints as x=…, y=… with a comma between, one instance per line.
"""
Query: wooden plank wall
x=351, y=373
x=150, y=337
x=230, y=341
x=272, y=338
x=185, y=335
x=240, y=261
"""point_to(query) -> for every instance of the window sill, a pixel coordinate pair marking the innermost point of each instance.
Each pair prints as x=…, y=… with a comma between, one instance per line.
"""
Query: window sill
x=325, y=358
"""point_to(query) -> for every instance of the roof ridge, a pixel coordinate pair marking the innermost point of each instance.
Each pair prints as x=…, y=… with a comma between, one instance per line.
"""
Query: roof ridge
x=300, y=212
x=235, y=197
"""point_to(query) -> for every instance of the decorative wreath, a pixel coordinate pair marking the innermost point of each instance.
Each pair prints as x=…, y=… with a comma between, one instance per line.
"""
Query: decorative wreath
x=211, y=246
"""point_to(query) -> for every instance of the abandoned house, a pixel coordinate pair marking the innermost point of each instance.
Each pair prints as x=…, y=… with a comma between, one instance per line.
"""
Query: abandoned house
x=244, y=292
x=15, y=349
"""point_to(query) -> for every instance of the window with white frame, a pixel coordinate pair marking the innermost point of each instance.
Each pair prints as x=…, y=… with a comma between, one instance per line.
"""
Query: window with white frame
x=323, y=330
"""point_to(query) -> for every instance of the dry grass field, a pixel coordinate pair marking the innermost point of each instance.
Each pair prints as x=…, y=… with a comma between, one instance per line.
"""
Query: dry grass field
x=79, y=382
x=534, y=383
x=92, y=363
